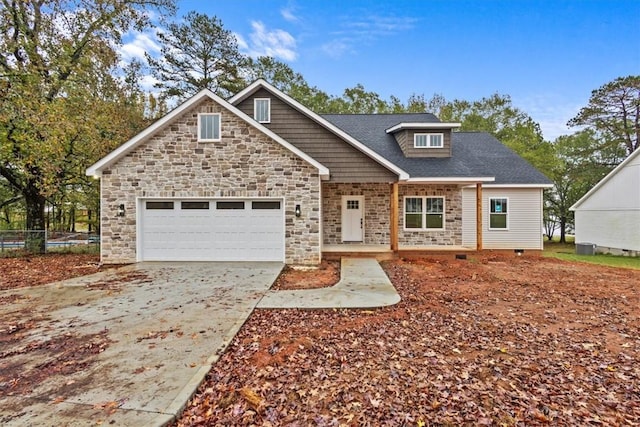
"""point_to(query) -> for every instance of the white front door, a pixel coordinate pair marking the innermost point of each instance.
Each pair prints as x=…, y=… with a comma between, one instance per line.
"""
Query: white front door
x=352, y=218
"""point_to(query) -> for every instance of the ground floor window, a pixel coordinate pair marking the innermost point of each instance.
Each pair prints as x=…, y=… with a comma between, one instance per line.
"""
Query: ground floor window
x=424, y=213
x=498, y=216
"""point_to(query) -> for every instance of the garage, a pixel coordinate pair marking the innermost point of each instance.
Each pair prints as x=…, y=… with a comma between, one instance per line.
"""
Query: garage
x=211, y=230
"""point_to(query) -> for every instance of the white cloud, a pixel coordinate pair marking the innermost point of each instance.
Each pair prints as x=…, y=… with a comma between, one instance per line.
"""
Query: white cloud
x=288, y=14
x=263, y=42
x=137, y=46
x=357, y=31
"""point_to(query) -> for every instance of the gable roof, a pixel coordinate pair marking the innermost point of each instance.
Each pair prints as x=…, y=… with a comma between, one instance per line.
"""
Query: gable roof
x=347, y=137
x=604, y=180
x=476, y=156
x=111, y=158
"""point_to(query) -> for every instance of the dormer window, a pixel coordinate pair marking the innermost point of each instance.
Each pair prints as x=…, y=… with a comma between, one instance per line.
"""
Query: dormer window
x=428, y=140
x=262, y=110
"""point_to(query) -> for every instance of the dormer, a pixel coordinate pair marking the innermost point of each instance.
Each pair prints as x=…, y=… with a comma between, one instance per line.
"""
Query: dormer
x=424, y=139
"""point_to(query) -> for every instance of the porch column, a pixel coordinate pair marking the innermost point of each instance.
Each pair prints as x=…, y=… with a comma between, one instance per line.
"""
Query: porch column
x=394, y=216
x=479, y=216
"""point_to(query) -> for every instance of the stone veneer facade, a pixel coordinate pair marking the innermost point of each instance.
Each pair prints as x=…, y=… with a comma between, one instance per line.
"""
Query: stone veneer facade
x=377, y=205
x=246, y=163
x=452, y=233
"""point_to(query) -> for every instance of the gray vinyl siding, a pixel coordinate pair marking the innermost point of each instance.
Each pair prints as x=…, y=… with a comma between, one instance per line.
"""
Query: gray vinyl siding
x=524, y=218
x=405, y=140
x=345, y=163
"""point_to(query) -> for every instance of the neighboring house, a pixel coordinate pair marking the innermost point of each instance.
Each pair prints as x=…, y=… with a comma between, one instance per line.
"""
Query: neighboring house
x=261, y=177
x=609, y=214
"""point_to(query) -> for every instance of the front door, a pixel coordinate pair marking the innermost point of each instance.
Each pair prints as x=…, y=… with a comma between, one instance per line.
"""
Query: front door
x=352, y=218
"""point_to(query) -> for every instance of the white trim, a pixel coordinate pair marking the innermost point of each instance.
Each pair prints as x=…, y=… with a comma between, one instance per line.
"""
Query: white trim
x=436, y=125
x=343, y=209
x=255, y=109
x=449, y=180
x=515, y=186
x=97, y=168
x=605, y=179
x=506, y=214
x=200, y=138
x=260, y=83
x=423, y=213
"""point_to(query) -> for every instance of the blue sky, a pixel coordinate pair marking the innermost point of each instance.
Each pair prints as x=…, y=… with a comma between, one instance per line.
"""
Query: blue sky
x=547, y=55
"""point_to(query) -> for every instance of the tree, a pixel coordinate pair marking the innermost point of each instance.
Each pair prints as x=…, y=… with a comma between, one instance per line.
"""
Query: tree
x=60, y=106
x=497, y=116
x=580, y=162
x=614, y=111
x=197, y=54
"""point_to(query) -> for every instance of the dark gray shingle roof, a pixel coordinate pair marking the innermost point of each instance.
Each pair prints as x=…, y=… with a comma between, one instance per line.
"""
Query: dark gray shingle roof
x=474, y=154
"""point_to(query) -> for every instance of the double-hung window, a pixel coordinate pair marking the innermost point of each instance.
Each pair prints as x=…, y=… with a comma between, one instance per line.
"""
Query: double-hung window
x=428, y=140
x=424, y=213
x=209, y=127
x=262, y=110
x=499, y=213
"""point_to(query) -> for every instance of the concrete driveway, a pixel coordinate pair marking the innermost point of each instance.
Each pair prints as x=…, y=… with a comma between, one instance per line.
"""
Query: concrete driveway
x=147, y=333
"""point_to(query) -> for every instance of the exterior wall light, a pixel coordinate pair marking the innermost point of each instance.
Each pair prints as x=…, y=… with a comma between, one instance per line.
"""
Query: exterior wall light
x=519, y=252
x=298, y=211
x=121, y=210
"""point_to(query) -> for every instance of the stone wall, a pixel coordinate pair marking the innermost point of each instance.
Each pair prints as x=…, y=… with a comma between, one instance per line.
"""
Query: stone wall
x=245, y=163
x=377, y=202
x=452, y=233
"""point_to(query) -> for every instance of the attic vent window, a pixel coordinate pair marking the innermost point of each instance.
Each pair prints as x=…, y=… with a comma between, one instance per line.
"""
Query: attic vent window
x=428, y=140
x=262, y=110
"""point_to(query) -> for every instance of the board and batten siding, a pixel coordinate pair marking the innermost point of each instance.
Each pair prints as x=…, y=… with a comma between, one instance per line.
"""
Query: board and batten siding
x=524, y=221
x=346, y=163
x=610, y=216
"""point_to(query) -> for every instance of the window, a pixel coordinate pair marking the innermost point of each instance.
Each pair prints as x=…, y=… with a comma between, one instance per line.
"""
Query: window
x=498, y=215
x=265, y=205
x=194, y=205
x=209, y=127
x=229, y=205
x=428, y=140
x=159, y=205
x=262, y=110
x=424, y=213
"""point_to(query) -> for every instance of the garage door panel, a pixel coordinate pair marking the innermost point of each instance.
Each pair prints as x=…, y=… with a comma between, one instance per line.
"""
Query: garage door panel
x=199, y=231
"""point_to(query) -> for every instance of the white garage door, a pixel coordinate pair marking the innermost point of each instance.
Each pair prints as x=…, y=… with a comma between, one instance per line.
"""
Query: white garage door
x=212, y=230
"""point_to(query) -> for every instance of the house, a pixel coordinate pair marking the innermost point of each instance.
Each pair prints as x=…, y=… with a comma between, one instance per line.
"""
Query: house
x=608, y=215
x=261, y=177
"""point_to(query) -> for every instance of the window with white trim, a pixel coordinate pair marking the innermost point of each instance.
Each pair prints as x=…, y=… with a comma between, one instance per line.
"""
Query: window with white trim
x=262, y=110
x=428, y=140
x=209, y=127
x=424, y=213
x=498, y=213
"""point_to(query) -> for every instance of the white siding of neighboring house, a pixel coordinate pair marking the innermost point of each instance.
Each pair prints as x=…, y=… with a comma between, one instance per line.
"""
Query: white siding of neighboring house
x=524, y=221
x=610, y=216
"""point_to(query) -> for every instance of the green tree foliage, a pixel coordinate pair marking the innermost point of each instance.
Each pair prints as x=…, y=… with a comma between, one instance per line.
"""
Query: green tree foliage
x=614, y=111
x=60, y=106
x=580, y=162
x=197, y=54
x=497, y=116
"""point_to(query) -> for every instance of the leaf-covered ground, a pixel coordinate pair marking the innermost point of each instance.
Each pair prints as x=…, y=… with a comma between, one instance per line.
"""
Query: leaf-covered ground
x=41, y=269
x=493, y=341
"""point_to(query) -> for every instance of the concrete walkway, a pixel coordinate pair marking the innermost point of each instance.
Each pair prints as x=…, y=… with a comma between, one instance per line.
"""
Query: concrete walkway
x=363, y=285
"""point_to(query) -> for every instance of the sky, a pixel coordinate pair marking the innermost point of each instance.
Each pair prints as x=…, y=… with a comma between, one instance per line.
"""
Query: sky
x=546, y=55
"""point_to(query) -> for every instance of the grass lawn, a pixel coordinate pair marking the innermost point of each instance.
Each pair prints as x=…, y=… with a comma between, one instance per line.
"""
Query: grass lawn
x=567, y=252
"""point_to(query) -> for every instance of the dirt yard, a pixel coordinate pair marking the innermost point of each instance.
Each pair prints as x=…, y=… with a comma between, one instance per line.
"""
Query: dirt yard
x=494, y=340
x=497, y=340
